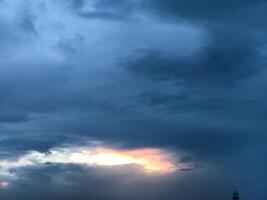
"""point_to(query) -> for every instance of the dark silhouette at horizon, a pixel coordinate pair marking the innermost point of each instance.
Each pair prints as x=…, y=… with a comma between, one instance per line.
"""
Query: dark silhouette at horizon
x=235, y=195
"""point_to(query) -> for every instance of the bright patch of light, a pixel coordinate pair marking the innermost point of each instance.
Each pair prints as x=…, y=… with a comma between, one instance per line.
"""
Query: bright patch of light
x=4, y=184
x=149, y=160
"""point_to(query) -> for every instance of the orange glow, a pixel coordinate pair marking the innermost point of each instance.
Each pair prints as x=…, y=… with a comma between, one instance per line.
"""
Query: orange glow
x=152, y=160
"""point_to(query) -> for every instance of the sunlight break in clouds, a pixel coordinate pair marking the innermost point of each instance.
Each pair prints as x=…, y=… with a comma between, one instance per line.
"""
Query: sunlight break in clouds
x=4, y=184
x=150, y=160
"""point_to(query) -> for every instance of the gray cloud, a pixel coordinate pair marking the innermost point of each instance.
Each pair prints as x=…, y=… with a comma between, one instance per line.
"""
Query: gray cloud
x=13, y=117
x=70, y=181
x=115, y=10
x=219, y=63
x=181, y=75
x=204, y=9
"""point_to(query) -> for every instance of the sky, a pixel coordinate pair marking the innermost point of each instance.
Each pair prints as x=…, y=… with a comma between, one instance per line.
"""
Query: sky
x=133, y=99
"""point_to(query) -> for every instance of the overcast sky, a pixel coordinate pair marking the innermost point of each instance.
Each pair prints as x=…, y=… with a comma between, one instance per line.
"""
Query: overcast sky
x=133, y=99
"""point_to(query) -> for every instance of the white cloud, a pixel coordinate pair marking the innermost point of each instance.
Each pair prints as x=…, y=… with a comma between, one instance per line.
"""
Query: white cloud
x=149, y=160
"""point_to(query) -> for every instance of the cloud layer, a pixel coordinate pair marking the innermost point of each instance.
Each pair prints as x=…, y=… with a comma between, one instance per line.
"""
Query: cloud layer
x=185, y=76
x=150, y=161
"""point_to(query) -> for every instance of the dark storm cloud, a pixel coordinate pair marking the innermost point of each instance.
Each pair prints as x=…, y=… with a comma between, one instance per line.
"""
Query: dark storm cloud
x=18, y=144
x=223, y=62
x=13, y=117
x=64, y=79
x=71, y=181
x=20, y=89
x=199, y=9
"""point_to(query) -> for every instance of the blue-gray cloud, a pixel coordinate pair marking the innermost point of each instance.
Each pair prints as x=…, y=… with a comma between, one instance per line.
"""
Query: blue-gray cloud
x=181, y=75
